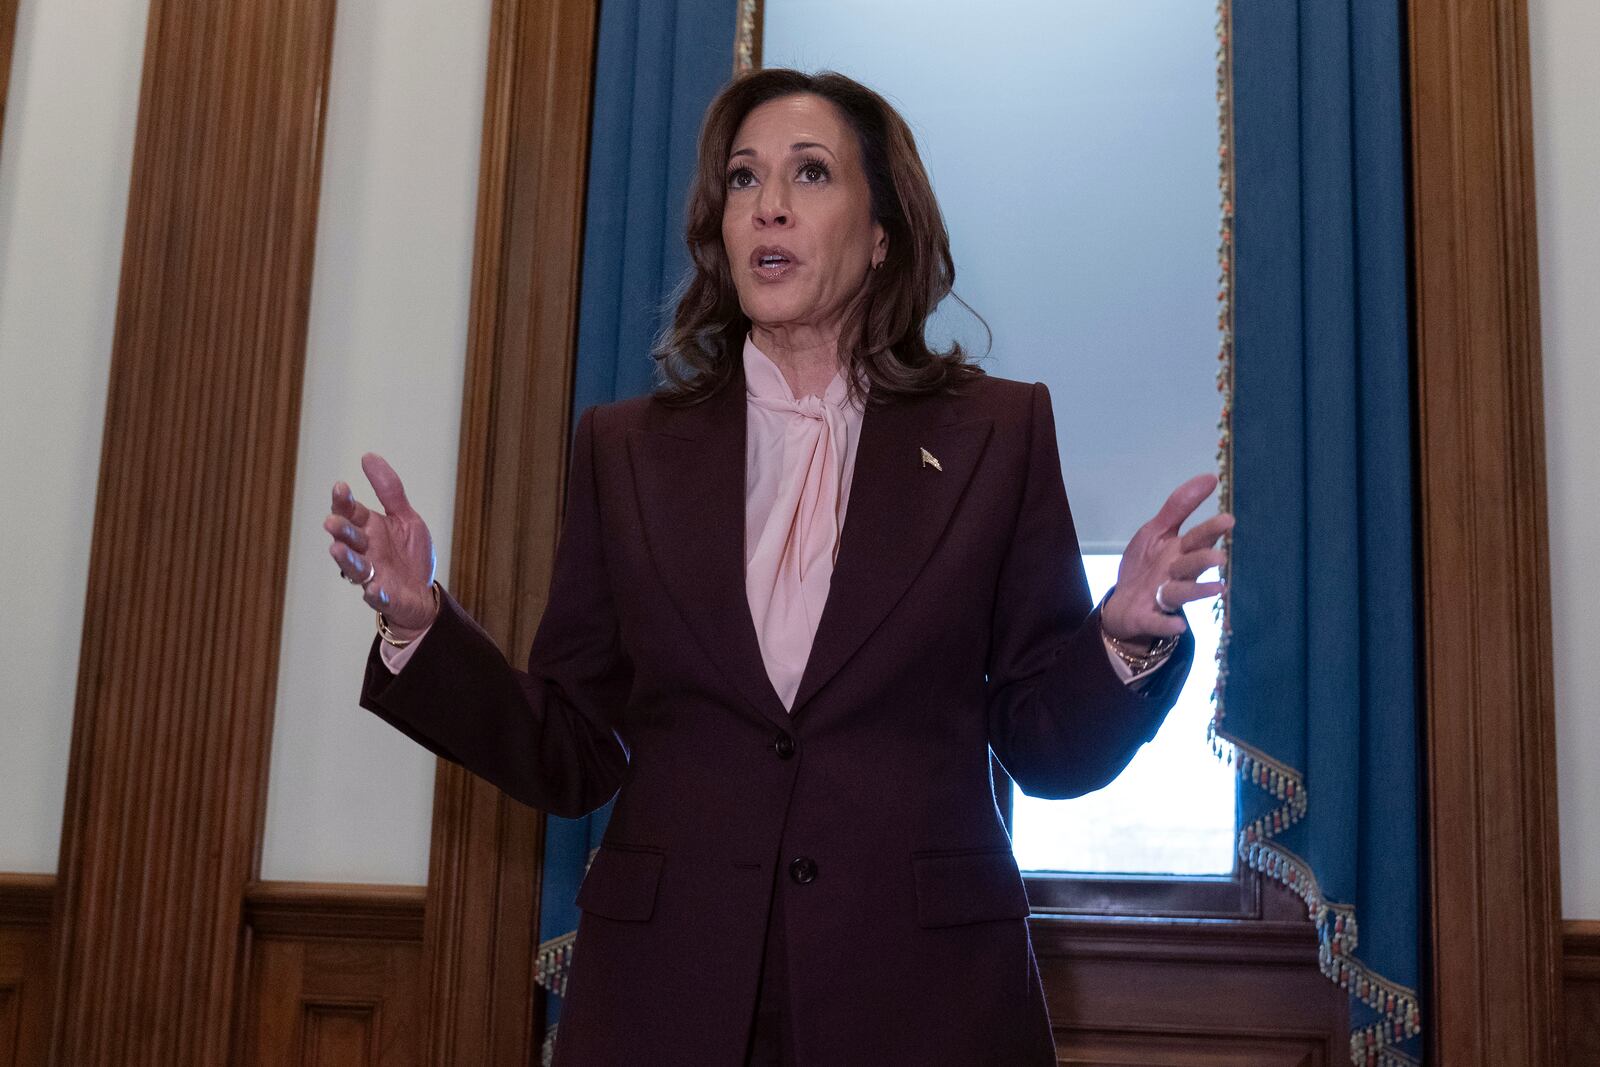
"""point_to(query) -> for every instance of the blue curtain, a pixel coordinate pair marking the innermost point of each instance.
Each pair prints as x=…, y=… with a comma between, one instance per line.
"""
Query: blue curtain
x=657, y=67
x=1320, y=696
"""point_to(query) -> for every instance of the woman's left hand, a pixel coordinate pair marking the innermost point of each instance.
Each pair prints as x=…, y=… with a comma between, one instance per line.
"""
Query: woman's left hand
x=1159, y=558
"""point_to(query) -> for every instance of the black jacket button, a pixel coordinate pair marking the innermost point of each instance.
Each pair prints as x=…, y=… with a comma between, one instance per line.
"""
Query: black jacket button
x=803, y=871
x=783, y=746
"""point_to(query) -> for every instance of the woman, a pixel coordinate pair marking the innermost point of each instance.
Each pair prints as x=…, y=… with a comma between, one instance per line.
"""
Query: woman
x=805, y=863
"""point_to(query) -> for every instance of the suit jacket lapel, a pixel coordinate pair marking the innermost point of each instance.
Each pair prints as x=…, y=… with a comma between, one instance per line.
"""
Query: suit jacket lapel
x=898, y=510
x=689, y=478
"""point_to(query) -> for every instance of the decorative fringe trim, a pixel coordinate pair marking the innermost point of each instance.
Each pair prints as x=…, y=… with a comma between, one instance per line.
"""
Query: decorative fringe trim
x=744, y=36
x=547, y=1050
x=554, y=962
x=1225, y=361
x=1337, y=934
x=1385, y=1058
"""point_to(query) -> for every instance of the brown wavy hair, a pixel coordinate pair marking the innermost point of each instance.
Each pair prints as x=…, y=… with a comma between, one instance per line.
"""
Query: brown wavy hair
x=883, y=335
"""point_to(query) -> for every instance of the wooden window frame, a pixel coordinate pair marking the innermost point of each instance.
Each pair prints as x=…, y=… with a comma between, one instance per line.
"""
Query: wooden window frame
x=1236, y=895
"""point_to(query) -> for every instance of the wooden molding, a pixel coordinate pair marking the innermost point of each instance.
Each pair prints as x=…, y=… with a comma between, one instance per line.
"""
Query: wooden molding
x=1581, y=980
x=1485, y=584
x=348, y=911
x=25, y=906
x=484, y=872
x=8, y=42
x=167, y=780
x=26, y=899
x=335, y=976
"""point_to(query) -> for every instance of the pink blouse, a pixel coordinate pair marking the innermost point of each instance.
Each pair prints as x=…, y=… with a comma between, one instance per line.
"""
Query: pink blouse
x=799, y=458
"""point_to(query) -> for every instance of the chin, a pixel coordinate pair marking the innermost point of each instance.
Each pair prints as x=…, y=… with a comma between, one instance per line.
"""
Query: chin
x=770, y=308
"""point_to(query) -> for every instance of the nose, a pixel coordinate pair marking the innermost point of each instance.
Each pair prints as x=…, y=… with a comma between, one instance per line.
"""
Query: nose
x=772, y=210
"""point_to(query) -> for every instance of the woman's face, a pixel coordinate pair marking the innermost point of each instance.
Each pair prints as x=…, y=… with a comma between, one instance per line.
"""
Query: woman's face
x=797, y=224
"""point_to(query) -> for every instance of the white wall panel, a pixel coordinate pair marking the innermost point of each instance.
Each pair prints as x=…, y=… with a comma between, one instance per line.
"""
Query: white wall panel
x=350, y=799
x=1566, y=142
x=66, y=153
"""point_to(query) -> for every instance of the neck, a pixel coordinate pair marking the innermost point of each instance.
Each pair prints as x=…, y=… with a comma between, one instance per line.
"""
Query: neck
x=807, y=356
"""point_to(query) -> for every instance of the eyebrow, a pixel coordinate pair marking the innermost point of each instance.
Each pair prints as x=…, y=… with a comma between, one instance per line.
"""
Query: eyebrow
x=798, y=146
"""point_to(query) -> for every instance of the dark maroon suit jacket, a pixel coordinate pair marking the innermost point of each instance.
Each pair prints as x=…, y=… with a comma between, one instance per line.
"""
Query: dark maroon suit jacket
x=958, y=620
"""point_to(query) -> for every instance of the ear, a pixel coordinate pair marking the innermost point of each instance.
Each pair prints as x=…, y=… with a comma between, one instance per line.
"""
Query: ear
x=880, y=245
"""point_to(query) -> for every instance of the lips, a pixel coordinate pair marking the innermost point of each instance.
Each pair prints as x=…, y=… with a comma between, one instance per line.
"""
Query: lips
x=772, y=262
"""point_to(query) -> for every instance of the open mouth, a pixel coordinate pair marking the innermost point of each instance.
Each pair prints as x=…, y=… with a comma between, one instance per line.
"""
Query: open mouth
x=771, y=263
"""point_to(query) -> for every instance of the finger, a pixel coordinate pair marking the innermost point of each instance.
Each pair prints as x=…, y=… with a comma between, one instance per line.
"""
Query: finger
x=386, y=483
x=1179, y=591
x=352, y=565
x=1207, y=533
x=1184, y=499
x=1191, y=565
x=343, y=530
x=1160, y=624
x=376, y=595
x=346, y=504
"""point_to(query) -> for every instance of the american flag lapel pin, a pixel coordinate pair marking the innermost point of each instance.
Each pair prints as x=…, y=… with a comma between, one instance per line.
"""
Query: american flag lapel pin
x=930, y=458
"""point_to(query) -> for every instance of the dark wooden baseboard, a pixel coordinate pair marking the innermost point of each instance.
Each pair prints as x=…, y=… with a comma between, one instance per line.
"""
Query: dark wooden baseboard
x=334, y=976
x=1192, y=993
x=25, y=903
x=1580, y=979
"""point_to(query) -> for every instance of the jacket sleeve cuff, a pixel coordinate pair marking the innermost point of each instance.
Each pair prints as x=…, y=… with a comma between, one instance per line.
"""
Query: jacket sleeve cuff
x=396, y=658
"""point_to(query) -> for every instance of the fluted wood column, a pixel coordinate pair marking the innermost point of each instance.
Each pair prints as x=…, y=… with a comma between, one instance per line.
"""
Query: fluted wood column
x=167, y=782
x=484, y=873
x=1485, y=576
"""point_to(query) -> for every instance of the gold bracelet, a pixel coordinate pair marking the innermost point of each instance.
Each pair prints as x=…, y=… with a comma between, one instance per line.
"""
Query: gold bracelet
x=388, y=635
x=1140, y=662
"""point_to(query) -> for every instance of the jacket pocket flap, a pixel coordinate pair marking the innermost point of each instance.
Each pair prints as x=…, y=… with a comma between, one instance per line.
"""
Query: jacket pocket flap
x=621, y=883
x=968, y=886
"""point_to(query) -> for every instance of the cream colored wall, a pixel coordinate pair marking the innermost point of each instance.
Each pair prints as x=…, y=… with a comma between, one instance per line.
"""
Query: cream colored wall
x=350, y=799
x=66, y=152
x=1566, y=118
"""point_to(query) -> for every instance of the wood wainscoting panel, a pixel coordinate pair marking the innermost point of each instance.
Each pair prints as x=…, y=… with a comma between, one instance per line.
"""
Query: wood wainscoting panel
x=25, y=905
x=1581, y=981
x=483, y=877
x=340, y=1033
x=166, y=786
x=1190, y=993
x=335, y=976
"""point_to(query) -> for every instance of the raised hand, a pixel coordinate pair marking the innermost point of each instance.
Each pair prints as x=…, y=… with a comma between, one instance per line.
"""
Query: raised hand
x=1161, y=568
x=390, y=555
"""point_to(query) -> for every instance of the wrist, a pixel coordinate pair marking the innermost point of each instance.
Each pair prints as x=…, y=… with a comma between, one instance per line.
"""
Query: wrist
x=1113, y=627
x=1138, y=646
x=402, y=634
x=1142, y=654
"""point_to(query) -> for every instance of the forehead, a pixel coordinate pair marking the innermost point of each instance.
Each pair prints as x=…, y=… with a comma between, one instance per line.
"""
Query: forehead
x=771, y=127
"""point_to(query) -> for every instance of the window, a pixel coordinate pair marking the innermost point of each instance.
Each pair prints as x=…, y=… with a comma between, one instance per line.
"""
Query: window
x=1158, y=840
x=1170, y=812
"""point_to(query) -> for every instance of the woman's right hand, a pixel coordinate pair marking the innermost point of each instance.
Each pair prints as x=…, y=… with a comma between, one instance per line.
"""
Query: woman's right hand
x=389, y=555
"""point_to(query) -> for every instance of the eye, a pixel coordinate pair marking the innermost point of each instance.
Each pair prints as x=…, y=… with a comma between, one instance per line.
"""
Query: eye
x=741, y=178
x=813, y=170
